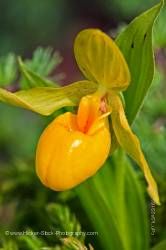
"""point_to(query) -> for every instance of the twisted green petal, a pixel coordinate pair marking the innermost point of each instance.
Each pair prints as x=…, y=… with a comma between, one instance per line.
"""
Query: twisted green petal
x=46, y=100
x=129, y=141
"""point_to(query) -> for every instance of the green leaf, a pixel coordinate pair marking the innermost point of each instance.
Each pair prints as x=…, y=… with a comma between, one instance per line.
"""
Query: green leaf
x=135, y=43
x=32, y=79
x=46, y=100
x=114, y=202
x=160, y=246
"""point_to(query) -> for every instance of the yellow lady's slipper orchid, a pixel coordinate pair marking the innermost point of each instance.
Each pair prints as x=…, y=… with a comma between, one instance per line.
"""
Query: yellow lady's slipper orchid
x=73, y=147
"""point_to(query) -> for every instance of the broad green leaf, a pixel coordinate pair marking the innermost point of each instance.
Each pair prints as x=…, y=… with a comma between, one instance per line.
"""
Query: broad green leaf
x=160, y=246
x=100, y=59
x=135, y=42
x=46, y=100
x=114, y=202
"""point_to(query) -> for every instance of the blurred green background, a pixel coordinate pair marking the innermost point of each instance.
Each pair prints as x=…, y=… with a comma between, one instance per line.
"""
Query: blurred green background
x=25, y=26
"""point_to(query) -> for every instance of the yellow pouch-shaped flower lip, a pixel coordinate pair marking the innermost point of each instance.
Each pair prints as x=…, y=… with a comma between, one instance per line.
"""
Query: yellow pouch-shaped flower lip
x=100, y=59
x=73, y=147
x=130, y=143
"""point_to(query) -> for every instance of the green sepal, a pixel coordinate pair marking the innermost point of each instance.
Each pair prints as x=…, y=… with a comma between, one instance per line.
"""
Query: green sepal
x=46, y=100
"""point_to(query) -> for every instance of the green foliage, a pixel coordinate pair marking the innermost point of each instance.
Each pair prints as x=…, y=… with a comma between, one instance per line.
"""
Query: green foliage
x=109, y=203
x=8, y=69
x=41, y=65
x=31, y=242
x=62, y=218
x=44, y=61
x=127, y=9
x=151, y=126
x=34, y=243
x=160, y=246
x=136, y=44
x=37, y=214
x=152, y=132
x=30, y=22
x=43, y=100
x=30, y=79
x=74, y=244
x=159, y=30
x=9, y=245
